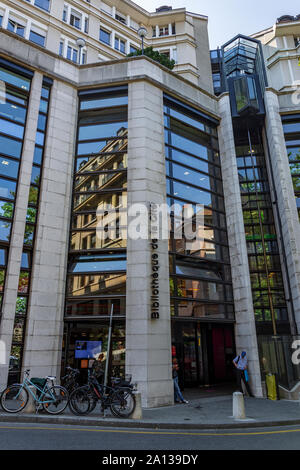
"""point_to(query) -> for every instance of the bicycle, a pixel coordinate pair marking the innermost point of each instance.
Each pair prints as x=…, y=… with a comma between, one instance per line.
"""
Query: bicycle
x=119, y=399
x=53, y=398
x=69, y=381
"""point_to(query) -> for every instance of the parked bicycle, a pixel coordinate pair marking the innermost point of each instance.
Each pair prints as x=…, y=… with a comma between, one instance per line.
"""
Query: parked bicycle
x=52, y=398
x=119, y=398
x=70, y=380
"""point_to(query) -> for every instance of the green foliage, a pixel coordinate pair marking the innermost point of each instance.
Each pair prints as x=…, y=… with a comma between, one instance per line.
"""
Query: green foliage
x=155, y=55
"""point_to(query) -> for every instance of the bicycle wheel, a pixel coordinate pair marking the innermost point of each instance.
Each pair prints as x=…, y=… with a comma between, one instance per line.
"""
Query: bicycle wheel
x=80, y=401
x=14, y=398
x=123, y=403
x=60, y=400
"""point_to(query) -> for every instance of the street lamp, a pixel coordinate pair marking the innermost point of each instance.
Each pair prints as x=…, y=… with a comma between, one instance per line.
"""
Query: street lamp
x=80, y=43
x=142, y=32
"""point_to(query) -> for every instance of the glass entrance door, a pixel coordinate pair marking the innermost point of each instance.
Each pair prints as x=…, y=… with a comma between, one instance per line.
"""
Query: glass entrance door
x=204, y=352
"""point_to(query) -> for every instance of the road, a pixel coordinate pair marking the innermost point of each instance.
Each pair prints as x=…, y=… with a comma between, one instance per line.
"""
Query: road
x=17, y=436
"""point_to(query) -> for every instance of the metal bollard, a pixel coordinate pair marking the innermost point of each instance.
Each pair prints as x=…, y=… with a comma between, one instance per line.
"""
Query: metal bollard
x=30, y=407
x=238, y=406
x=138, y=412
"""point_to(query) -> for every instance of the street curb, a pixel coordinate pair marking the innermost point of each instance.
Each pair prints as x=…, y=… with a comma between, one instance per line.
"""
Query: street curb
x=105, y=422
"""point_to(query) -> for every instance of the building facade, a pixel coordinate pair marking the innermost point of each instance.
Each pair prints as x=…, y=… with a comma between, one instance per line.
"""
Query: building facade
x=100, y=152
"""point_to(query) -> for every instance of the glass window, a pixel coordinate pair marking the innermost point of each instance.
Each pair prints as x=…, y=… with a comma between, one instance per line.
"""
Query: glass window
x=35, y=175
x=43, y=106
x=16, y=28
x=25, y=261
x=101, y=130
x=37, y=38
x=291, y=127
x=38, y=154
x=96, y=306
x=102, y=284
x=186, y=174
x=188, y=145
x=104, y=102
x=21, y=305
x=9, y=167
x=240, y=87
x=14, y=79
x=23, y=282
x=105, y=36
x=31, y=215
x=44, y=4
x=188, y=120
x=29, y=233
x=11, y=129
x=6, y=209
x=40, y=137
x=197, y=289
x=193, y=194
x=12, y=111
x=42, y=122
x=3, y=255
x=7, y=189
x=98, y=264
x=4, y=230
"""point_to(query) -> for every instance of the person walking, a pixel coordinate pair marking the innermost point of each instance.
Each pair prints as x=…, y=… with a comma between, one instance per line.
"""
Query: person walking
x=178, y=397
x=241, y=365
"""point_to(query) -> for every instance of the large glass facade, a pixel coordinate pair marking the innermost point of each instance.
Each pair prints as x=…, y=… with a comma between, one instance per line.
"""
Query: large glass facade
x=97, y=258
x=29, y=237
x=13, y=113
x=263, y=253
x=200, y=277
x=291, y=129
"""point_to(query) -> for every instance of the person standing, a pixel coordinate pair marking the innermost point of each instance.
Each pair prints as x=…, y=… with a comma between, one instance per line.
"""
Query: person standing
x=241, y=365
x=178, y=397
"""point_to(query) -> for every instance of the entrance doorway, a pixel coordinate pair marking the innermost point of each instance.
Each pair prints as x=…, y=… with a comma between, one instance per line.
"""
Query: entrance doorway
x=204, y=352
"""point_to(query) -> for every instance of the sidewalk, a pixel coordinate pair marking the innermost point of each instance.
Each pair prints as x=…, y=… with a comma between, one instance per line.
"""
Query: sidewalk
x=200, y=413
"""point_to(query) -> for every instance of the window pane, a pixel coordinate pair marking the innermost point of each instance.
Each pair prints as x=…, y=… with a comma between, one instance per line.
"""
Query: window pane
x=6, y=209
x=14, y=79
x=193, y=194
x=97, y=264
x=23, y=282
x=104, y=102
x=12, y=129
x=7, y=189
x=4, y=230
x=96, y=306
x=13, y=111
x=101, y=130
x=38, y=153
x=37, y=38
x=102, y=162
x=9, y=167
x=21, y=305
x=104, y=284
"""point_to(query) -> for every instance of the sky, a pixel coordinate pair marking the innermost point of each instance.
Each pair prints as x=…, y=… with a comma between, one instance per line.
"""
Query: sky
x=227, y=18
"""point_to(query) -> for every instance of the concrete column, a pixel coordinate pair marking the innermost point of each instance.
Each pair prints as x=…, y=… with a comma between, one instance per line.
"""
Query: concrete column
x=148, y=341
x=42, y=350
x=245, y=332
x=18, y=229
x=286, y=202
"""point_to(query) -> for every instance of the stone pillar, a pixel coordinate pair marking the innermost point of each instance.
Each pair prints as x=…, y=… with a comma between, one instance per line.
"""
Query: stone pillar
x=18, y=228
x=42, y=350
x=286, y=202
x=245, y=332
x=148, y=341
